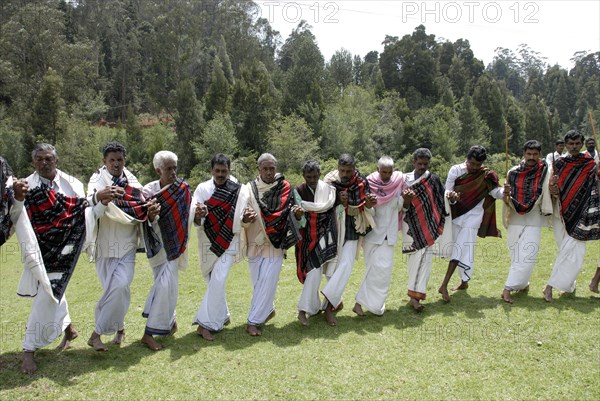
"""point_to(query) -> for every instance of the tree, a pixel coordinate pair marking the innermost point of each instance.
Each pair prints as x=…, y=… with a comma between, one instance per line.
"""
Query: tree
x=189, y=124
x=255, y=103
x=340, y=67
x=217, y=96
x=291, y=141
x=536, y=121
x=489, y=101
x=435, y=128
x=473, y=130
x=47, y=108
x=218, y=137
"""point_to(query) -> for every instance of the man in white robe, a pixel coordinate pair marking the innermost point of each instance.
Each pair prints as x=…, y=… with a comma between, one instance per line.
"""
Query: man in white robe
x=49, y=316
x=225, y=229
x=559, y=151
x=354, y=203
x=113, y=238
x=468, y=217
x=159, y=309
x=426, y=215
x=380, y=242
x=269, y=233
x=319, y=237
x=525, y=211
x=576, y=213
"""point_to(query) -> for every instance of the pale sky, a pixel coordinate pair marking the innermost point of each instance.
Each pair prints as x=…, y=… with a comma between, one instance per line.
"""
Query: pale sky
x=554, y=28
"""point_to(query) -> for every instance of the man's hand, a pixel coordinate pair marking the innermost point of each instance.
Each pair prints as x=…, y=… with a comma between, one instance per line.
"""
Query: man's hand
x=344, y=198
x=506, y=193
x=408, y=195
x=201, y=212
x=371, y=200
x=554, y=185
x=249, y=215
x=453, y=197
x=109, y=194
x=298, y=212
x=20, y=187
x=153, y=209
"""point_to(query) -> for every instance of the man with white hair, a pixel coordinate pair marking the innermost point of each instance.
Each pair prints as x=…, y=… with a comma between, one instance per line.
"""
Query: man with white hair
x=270, y=231
x=387, y=185
x=424, y=216
x=113, y=238
x=166, y=234
x=220, y=210
x=56, y=207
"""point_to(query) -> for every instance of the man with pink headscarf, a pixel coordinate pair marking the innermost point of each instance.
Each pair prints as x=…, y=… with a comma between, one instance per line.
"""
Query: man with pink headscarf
x=387, y=185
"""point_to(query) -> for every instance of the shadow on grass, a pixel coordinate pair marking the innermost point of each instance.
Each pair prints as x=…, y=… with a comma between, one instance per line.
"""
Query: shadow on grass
x=65, y=368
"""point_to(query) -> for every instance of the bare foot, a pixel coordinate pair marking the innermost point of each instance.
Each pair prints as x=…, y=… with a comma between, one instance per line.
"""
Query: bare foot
x=444, y=292
x=173, y=328
x=151, y=343
x=29, y=365
x=594, y=284
x=119, y=337
x=526, y=289
x=96, y=342
x=302, y=318
x=506, y=296
x=463, y=286
x=70, y=335
x=417, y=305
x=205, y=333
x=358, y=309
x=548, y=294
x=329, y=317
x=253, y=330
x=271, y=316
x=339, y=308
x=227, y=322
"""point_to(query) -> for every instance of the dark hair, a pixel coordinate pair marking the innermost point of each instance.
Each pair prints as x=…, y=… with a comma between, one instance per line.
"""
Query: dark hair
x=220, y=158
x=311, y=165
x=590, y=139
x=346, y=159
x=422, y=153
x=574, y=135
x=113, y=147
x=477, y=152
x=559, y=142
x=532, y=144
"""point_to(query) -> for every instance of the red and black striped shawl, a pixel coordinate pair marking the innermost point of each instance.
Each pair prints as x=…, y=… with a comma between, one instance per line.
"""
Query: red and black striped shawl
x=526, y=185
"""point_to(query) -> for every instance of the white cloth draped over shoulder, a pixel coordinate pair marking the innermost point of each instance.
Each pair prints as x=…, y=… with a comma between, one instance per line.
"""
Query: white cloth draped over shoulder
x=207, y=258
x=34, y=272
x=98, y=181
x=160, y=258
x=362, y=220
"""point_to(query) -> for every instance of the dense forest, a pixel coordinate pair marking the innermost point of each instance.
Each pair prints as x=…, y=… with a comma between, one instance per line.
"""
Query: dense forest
x=199, y=77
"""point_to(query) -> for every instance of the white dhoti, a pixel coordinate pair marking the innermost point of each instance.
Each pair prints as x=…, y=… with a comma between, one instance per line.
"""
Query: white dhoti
x=419, y=269
x=47, y=321
x=162, y=299
x=336, y=284
x=310, y=301
x=115, y=275
x=524, y=245
x=463, y=250
x=373, y=291
x=264, y=275
x=568, y=264
x=213, y=312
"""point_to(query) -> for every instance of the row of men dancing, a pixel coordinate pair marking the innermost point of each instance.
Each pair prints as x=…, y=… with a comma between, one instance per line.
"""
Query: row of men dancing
x=327, y=221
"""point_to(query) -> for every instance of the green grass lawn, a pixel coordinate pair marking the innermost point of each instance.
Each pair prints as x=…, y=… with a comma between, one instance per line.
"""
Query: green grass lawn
x=475, y=348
